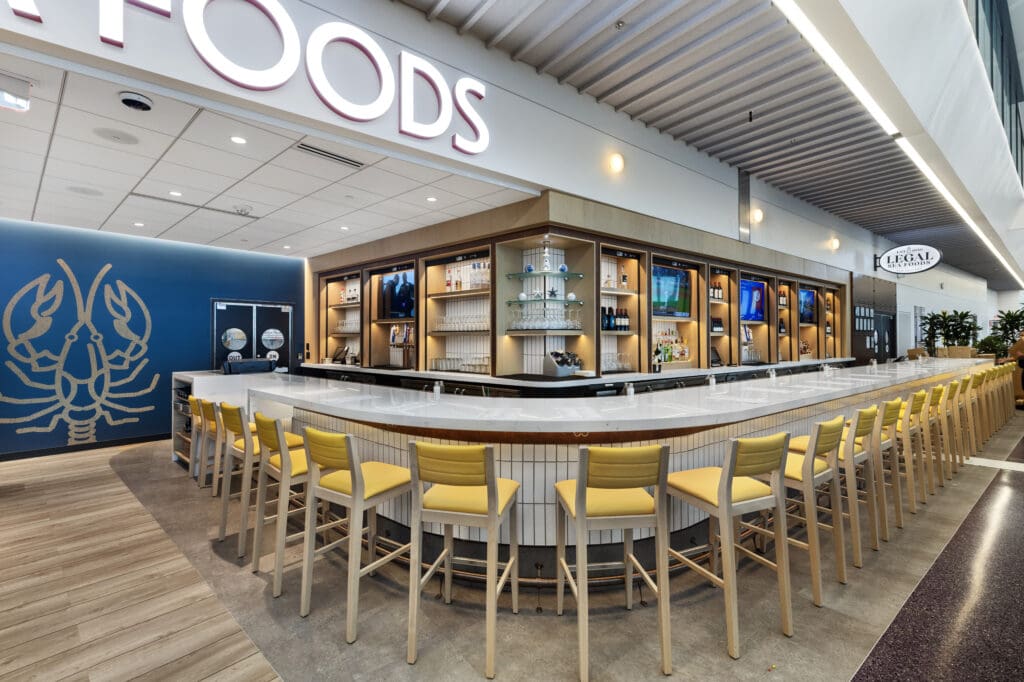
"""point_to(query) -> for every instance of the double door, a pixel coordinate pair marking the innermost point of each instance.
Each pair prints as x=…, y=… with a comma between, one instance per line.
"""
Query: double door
x=251, y=331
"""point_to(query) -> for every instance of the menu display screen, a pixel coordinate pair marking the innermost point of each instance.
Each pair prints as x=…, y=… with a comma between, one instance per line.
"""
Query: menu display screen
x=670, y=292
x=752, y=298
x=397, y=295
x=808, y=310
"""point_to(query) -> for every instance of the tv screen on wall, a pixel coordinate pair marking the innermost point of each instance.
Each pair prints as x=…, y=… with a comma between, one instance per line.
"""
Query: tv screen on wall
x=670, y=292
x=752, y=298
x=808, y=310
x=397, y=296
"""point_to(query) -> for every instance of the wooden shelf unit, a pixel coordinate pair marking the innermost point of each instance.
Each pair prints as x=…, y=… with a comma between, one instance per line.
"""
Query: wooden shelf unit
x=677, y=287
x=342, y=296
x=458, y=322
x=621, y=274
x=394, y=297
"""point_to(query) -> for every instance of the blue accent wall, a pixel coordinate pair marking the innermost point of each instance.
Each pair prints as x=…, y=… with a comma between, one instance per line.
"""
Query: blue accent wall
x=69, y=369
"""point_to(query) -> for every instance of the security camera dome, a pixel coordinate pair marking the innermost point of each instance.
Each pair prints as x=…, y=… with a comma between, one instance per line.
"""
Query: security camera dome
x=134, y=100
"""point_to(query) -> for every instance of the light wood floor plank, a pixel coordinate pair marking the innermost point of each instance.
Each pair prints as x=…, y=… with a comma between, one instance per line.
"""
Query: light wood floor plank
x=250, y=669
x=206, y=661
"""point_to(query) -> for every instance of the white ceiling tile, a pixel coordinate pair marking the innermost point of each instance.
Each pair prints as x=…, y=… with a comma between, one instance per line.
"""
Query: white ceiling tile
x=290, y=215
x=155, y=215
x=467, y=208
x=81, y=125
x=367, y=219
x=348, y=151
x=288, y=180
x=317, y=207
x=215, y=131
x=212, y=224
x=399, y=210
x=345, y=195
x=381, y=182
x=159, y=189
x=305, y=162
x=21, y=162
x=59, y=215
x=272, y=196
x=466, y=187
x=60, y=174
x=46, y=80
x=168, y=116
x=418, y=197
x=98, y=156
x=15, y=212
x=267, y=127
x=39, y=117
x=413, y=171
x=193, y=155
x=505, y=196
x=273, y=227
x=20, y=138
x=174, y=175
x=24, y=178
x=228, y=202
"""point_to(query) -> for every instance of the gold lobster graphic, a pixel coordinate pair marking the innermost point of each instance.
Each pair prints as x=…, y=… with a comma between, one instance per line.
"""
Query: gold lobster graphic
x=83, y=373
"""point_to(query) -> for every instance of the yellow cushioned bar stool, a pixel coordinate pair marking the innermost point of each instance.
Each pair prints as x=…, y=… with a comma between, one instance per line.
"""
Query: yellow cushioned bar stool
x=807, y=476
x=212, y=441
x=286, y=464
x=931, y=428
x=337, y=474
x=967, y=437
x=949, y=421
x=912, y=447
x=977, y=410
x=851, y=456
x=608, y=493
x=987, y=386
x=887, y=462
x=728, y=492
x=465, y=491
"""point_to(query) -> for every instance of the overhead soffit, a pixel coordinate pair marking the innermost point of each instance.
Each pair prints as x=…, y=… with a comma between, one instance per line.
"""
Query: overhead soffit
x=734, y=80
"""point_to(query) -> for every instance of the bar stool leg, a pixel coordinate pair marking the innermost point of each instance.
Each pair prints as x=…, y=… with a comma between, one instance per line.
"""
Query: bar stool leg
x=881, y=510
x=560, y=520
x=897, y=481
x=813, y=539
x=661, y=565
x=308, y=551
x=261, y=520
x=838, y=536
x=226, y=476
x=873, y=500
x=492, y=598
x=355, y=552
x=927, y=454
x=907, y=453
x=853, y=504
x=371, y=545
x=713, y=538
x=627, y=565
x=582, y=602
x=732, y=632
x=243, y=531
x=513, y=552
x=415, y=571
x=782, y=560
x=449, y=545
x=280, y=531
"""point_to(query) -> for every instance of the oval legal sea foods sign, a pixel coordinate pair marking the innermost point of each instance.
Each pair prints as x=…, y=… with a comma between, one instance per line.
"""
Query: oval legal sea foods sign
x=909, y=259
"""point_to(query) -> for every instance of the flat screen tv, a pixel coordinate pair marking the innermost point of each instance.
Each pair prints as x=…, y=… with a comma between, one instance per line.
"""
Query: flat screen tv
x=670, y=292
x=752, y=298
x=808, y=310
x=397, y=296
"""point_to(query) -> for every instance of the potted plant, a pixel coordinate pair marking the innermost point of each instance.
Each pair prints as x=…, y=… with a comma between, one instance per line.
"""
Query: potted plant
x=993, y=344
x=1008, y=326
x=931, y=329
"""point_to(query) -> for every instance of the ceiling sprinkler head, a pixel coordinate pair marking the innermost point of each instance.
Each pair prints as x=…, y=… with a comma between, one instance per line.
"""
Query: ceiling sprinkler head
x=243, y=209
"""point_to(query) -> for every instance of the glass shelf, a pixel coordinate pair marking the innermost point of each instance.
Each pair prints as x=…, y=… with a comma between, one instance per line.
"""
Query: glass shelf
x=544, y=332
x=338, y=306
x=563, y=301
x=464, y=293
x=605, y=291
x=715, y=301
x=544, y=273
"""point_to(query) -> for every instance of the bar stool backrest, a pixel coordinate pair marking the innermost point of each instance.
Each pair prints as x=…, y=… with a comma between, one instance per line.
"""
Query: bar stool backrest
x=916, y=403
x=891, y=412
x=328, y=450
x=266, y=431
x=758, y=456
x=979, y=379
x=936, y=397
x=829, y=434
x=208, y=412
x=450, y=464
x=193, y=404
x=863, y=423
x=625, y=467
x=952, y=390
x=231, y=416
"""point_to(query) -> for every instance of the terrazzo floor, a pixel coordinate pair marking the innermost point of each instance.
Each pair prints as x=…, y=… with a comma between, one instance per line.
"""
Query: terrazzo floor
x=830, y=643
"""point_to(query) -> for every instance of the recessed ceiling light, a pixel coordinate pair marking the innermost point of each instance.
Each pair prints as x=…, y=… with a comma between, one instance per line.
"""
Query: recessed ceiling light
x=431, y=199
x=174, y=193
x=287, y=247
x=238, y=139
x=138, y=224
x=344, y=228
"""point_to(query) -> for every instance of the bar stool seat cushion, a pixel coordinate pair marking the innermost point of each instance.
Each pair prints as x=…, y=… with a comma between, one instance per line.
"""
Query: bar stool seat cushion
x=703, y=484
x=292, y=440
x=468, y=499
x=795, y=466
x=799, y=444
x=378, y=477
x=299, y=467
x=607, y=501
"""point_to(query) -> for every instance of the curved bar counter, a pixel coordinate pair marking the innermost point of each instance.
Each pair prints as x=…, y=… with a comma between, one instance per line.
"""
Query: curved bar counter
x=536, y=439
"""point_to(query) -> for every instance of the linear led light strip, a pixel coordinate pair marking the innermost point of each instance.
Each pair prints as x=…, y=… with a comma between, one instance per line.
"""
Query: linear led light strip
x=811, y=34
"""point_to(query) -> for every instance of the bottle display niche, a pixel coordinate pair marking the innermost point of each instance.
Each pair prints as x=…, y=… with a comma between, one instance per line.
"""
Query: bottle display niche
x=393, y=306
x=544, y=303
x=787, y=311
x=722, y=343
x=343, y=317
x=755, y=339
x=833, y=319
x=458, y=312
x=674, y=315
x=619, y=314
x=809, y=301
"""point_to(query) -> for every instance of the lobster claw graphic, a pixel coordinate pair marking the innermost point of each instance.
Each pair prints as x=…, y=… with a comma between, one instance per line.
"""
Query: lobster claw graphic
x=123, y=306
x=42, y=308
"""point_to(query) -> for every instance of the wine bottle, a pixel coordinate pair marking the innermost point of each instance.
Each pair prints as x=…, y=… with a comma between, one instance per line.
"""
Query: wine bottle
x=448, y=279
x=625, y=318
x=604, y=319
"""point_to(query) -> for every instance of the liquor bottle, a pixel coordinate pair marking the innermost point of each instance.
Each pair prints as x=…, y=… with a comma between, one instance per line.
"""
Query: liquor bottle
x=617, y=326
x=448, y=279
x=828, y=328
x=624, y=279
x=625, y=317
x=686, y=349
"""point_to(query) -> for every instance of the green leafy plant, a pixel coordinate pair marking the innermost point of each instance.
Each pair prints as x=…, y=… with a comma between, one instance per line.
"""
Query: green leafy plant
x=961, y=328
x=1008, y=327
x=931, y=328
x=994, y=344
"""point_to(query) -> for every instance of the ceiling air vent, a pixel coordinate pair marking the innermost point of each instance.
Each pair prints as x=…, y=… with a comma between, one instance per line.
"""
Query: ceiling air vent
x=330, y=156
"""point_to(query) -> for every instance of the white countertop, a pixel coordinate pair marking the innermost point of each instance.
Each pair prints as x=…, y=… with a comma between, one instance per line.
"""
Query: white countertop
x=616, y=378
x=694, y=407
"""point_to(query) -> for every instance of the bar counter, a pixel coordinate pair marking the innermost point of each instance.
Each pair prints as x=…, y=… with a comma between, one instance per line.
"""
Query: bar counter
x=536, y=439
